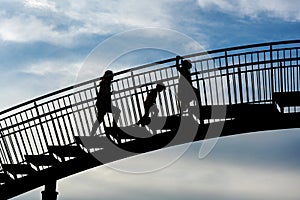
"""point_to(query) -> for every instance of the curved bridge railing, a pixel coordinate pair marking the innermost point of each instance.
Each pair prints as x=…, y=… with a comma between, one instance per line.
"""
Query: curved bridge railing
x=253, y=74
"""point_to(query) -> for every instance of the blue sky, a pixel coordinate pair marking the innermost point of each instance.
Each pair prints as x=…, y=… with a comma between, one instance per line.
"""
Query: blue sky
x=43, y=45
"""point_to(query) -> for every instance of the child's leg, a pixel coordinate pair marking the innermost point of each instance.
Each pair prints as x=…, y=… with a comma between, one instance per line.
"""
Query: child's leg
x=97, y=123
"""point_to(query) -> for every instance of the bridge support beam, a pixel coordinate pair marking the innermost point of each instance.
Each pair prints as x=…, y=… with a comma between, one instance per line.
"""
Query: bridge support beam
x=50, y=191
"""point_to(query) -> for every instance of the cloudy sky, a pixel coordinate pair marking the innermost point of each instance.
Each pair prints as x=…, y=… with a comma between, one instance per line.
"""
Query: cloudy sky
x=44, y=43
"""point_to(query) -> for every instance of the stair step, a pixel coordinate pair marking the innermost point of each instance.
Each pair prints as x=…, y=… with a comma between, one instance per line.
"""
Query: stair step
x=41, y=160
x=4, y=178
x=90, y=142
x=136, y=131
x=170, y=122
x=286, y=99
x=66, y=151
x=250, y=111
x=15, y=169
x=129, y=132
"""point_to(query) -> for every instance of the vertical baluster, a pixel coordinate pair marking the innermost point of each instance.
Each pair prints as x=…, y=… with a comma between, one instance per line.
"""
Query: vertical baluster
x=38, y=141
x=136, y=96
x=53, y=125
x=6, y=146
x=234, y=81
x=216, y=83
x=40, y=123
x=74, y=117
x=240, y=85
x=19, y=132
x=228, y=80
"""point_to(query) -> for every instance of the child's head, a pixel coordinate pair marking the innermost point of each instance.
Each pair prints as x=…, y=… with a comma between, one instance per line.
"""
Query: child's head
x=108, y=75
x=160, y=87
x=187, y=64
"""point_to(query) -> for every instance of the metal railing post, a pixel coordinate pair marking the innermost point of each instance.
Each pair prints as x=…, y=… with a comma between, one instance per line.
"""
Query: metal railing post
x=240, y=85
x=281, y=77
x=228, y=80
x=272, y=70
x=6, y=148
x=40, y=123
x=136, y=96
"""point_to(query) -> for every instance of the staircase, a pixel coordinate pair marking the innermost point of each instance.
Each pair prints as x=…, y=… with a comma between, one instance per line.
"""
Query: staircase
x=48, y=138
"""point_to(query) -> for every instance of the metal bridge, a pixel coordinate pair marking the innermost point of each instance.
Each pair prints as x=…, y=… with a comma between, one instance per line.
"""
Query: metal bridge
x=242, y=89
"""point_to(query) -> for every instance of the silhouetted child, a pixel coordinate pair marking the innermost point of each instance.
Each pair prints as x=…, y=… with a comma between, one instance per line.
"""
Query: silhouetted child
x=150, y=103
x=185, y=86
x=103, y=102
x=184, y=70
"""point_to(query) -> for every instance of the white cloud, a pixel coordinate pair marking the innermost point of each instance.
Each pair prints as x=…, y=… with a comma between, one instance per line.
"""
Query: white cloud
x=189, y=179
x=98, y=15
x=80, y=17
x=60, y=73
x=26, y=28
x=282, y=9
x=40, y=4
x=46, y=68
x=36, y=79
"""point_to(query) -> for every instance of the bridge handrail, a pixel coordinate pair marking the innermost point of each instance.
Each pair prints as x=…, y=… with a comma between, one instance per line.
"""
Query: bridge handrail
x=153, y=64
x=224, y=81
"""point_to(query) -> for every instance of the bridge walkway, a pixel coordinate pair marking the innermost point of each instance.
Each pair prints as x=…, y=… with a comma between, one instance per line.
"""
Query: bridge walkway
x=242, y=89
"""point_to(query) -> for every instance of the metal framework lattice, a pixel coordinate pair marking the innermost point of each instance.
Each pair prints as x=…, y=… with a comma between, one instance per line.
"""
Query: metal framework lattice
x=252, y=74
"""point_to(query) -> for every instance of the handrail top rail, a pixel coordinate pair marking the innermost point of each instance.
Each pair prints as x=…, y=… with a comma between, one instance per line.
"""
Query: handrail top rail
x=284, y=42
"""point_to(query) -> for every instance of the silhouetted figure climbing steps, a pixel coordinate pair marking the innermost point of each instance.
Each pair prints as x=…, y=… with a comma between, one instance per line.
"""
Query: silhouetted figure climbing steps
x=185, y=86
x=150, y=105
x=103, y=102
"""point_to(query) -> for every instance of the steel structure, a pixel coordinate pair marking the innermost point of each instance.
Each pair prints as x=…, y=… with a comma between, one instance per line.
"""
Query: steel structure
x=48, y=138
